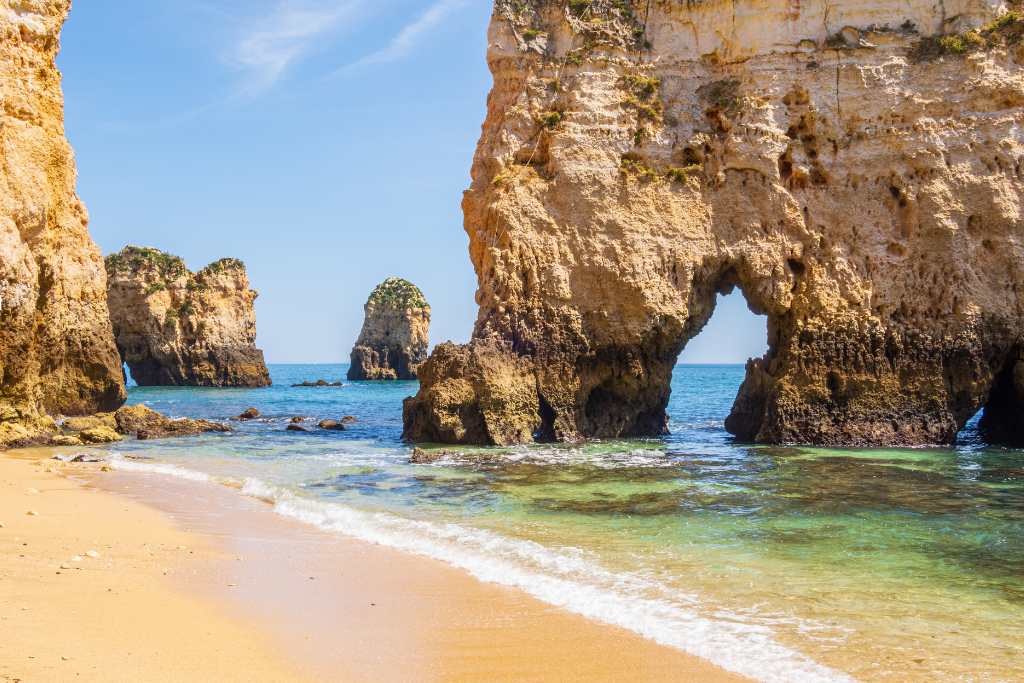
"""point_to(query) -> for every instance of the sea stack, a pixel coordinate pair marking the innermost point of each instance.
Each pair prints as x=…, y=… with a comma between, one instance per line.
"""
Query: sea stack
x=856, y=170
x=178, y=328
x=395, y=335
x=57, y=352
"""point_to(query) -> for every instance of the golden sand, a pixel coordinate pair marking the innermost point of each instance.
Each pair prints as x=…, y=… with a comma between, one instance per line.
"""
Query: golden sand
x=194, y=582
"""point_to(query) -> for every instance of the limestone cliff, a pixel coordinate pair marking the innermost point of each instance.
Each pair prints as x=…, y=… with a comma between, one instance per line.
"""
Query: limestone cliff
x=178, y=328
x=855, y=169
x=395, y=335
x=57, y=352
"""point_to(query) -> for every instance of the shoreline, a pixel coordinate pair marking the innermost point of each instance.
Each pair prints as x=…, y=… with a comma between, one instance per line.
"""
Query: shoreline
x=313, y=604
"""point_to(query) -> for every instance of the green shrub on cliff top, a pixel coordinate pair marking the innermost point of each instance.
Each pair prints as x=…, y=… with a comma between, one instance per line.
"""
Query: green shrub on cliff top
x=134, y=259
x=223, y=265
x=398, y=293
x=1007, y=29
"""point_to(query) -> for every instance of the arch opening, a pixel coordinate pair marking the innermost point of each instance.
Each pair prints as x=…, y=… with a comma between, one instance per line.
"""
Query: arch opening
x=732, y=335
x=1001, y=420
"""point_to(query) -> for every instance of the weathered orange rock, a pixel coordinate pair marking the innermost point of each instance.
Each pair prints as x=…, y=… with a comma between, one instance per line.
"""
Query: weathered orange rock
x=859, y=180
x=395, y=335
x=178, y=328
x=57, y=352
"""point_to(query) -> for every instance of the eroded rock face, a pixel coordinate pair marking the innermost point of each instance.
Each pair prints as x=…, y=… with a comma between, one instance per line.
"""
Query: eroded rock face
x=178, y=328
x=855, y=169
x=395, y=335
x=57, y=352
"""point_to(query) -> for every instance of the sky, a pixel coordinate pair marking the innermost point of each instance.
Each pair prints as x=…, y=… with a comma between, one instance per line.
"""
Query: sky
x=326, y=143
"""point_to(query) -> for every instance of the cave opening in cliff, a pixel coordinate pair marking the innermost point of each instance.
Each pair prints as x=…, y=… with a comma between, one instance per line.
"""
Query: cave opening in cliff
x=733, y=335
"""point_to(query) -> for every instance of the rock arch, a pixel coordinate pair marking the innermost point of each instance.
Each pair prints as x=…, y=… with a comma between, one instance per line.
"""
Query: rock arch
x=865, y=195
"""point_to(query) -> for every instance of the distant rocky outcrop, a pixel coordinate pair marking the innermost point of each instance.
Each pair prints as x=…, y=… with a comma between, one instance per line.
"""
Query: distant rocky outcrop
x=855, y=169
x=178, y=328
x=57, y=352
x=395, y=335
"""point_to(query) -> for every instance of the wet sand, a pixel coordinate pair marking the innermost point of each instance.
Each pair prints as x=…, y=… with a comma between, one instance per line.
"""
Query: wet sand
x=197, y=582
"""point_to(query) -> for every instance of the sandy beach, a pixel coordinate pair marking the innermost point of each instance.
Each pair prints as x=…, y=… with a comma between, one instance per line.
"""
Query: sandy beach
x=119, y=576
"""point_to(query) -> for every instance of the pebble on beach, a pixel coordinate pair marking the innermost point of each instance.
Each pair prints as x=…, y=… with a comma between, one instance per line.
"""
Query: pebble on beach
x=32, y=513
x=93, y=554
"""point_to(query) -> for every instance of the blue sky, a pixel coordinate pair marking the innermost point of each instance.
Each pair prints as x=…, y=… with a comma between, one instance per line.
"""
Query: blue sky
x=326, y=143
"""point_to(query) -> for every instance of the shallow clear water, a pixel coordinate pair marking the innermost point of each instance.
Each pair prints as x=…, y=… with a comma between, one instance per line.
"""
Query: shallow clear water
x=781, y=563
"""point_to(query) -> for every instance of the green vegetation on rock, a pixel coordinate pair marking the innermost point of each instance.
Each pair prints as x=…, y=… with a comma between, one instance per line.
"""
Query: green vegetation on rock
x=1006, y=30
x=397, y=293
x=133, y=259
x=222, y=265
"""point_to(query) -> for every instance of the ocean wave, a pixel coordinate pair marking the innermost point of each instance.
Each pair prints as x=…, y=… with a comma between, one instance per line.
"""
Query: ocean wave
x=568, y=578
x=118, y=462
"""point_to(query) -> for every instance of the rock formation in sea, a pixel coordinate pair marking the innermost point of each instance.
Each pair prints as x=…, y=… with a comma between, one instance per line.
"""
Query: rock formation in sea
x=395, y=335
x=854, y=169
x=178, y=328
x=57, y=352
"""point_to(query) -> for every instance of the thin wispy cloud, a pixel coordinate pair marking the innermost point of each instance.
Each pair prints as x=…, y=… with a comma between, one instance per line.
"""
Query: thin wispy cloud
x=274, y=43
x=407, y=39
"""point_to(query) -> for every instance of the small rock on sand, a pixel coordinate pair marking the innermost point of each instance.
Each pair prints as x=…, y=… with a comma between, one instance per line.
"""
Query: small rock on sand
x=77, y=558
x=80, y=457
x=2, y=525
x=65, y=565
x=32, y=492
x=32, y=513
x=93, y=555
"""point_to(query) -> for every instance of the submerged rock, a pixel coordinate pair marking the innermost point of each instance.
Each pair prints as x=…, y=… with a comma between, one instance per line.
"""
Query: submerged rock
x=613, y=200
x=57, y=354
x=422, y=456
x=145, y=423
x=249, y=414
x=178, y=328
x=395, y=335
x=318, y=383
x=296, y=428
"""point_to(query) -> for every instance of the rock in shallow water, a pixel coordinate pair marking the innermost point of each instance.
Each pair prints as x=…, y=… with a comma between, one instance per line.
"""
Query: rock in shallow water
x=145, y=423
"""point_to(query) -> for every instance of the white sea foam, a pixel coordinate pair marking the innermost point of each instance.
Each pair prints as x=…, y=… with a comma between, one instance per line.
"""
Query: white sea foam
x=568, y=578
x=119, y=463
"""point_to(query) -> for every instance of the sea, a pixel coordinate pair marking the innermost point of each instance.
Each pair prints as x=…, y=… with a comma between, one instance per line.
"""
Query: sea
x=780, y=563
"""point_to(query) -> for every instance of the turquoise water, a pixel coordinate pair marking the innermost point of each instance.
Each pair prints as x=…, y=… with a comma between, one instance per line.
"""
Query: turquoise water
x=781, y=563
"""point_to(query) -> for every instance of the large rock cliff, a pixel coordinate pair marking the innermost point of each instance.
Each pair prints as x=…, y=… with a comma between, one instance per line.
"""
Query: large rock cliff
x=855, y=169
x=395, y=335
x=178, y=328
x=57, y=352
